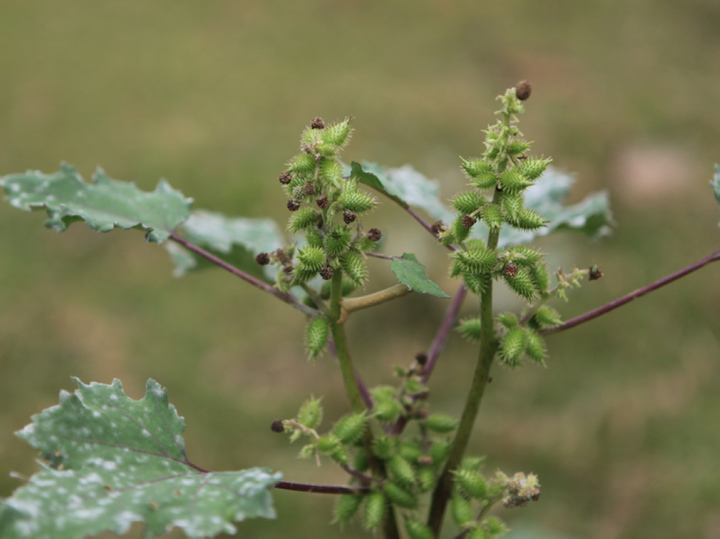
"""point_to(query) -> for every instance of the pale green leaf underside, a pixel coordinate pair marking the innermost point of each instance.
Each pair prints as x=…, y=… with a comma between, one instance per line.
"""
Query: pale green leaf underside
x=411, y=273
x=716, y=184
x=411, y=189
x=103, y=204
x=114, y=461
x=235, y=240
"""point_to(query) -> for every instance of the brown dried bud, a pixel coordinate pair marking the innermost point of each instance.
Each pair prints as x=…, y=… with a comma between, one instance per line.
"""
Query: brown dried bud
x=326, y=273
x=536, y=495
x=421, y=358
x=317, y=123
x=468, y=221
x=349, y=217
x=293, y=205
x=285, y=178
x=595, y=273
x=510, y=270
x=523, y=90
x=322, y=202
x=308, y=188
x=277, y=426
x=263, y=259
x=425, y=460
x=437, y=227
x=282, y=256
x=288, y=269
x=374, y=234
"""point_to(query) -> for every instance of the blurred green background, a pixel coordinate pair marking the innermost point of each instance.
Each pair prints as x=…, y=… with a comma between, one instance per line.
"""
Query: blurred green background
x=623, y=427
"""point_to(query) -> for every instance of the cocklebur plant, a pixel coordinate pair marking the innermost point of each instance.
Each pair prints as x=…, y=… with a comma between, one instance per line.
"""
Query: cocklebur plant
x=109, y=461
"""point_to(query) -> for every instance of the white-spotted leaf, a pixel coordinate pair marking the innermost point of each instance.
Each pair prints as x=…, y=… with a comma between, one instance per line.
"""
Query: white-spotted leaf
x=112, y=461
x=411, y=273
x=103, y=204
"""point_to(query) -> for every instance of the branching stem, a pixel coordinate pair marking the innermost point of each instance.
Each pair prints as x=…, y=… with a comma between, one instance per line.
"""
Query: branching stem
x=350, y=305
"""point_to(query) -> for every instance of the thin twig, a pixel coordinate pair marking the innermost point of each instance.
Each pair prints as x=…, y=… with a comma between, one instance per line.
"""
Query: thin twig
x=320, y=489
x=444, y=331
x=632, y=295
x=287, y=298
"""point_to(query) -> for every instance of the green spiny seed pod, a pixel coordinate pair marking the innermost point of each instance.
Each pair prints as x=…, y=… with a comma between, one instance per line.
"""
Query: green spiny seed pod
x=439, y=451
x=357, y=201
x=442, y=423
x=472, y=463
x=470, y=328
x=461, y=510
x=512, y=346
x=302, y=164
x=540, y=275
x=341, y=456
x=458, y=230
x=353, y=264
x=418, y=530
x=479, y=533
x=413, y=386
x=522, y=284
x=535, y=347
x=426, y=478
x=350, y=428
x=388, y=410
x=485, y=181
x=310, y=413
x=411, y=450
x=331, y=171
x=338, y=134
x=338, y=240
x=317, y=335
x=302, y=219
x=361, y=462
x=375, y=510
x=524, y=255
x=472, y=483
x=513, y=203
x=533, y=168
x=492, y=216
x=507, y=320
x=513, y=181
x=518, y=147
x=314, y=238
x=346, y=507
x=311, y=258
x=383, y=447
x=475, y=167
x=476, y=257
x=528, y=220
x=383, y=393
x=477, y=284
x=495, y=527
x=400, y=495
x=301, y=274
x=547, y=317
x=328, y=444
x=466, y=203
x=401, y=469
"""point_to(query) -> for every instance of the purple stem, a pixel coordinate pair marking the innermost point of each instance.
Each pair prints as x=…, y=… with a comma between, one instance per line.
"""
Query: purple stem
x=287, y=298
x=320, y=489
x=444, y=331
x=632, y=295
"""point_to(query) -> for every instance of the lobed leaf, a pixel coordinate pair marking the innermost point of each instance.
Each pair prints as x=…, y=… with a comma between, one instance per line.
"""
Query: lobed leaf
x=236, y=240
x=411, y=273
x=113, y=461
x=103, y=204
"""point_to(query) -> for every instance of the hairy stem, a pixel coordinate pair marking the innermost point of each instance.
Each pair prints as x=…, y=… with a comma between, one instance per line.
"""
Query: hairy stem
x=287, y=298
x=632, y=295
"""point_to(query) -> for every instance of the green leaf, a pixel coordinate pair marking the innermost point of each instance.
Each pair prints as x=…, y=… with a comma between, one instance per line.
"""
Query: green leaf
x=103, y=205
x=591, y=216
x=411, y=273
x=405, y=186
x=235, y=240
x=114, y=461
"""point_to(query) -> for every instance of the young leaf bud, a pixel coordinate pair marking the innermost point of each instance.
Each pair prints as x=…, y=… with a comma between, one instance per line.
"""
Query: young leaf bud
x=277, y=426
x=285, y=178
x=293, y=205
x=302, y=219
x=492, y=215
x=401, y=470
x=349, y=217
x=521, y=284
x=466, y=203
x=470, y=328
x=374, y=234
x=468, y=221
x=327, y=273
x=375, y=510
x=512, y=346
x=417, y=529
x=400, y=496
x=523, y=90
x=316, y=336
x=350, y=428
x=317, y=123
x=472, y=483
x=354, y=267
x=442, y=423
x=311, y=413
x=461, y=510
x=347, y=506
x=263, y=259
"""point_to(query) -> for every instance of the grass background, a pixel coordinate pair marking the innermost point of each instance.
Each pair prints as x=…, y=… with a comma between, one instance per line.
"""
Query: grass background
x=622, y=427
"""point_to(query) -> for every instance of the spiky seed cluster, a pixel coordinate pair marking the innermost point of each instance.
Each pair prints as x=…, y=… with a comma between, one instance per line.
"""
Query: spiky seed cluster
x=521, y=343
x=316, y=336
x=326, y=206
